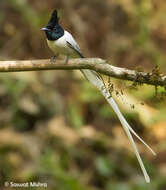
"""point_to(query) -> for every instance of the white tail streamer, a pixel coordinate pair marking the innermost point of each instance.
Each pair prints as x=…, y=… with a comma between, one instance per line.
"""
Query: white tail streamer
x=94, y=78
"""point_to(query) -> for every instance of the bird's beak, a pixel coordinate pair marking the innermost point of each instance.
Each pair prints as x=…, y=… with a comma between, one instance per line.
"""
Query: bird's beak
x=45, y=29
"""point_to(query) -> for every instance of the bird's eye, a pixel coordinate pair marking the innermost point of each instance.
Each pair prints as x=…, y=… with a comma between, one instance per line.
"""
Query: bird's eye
x=55, y=29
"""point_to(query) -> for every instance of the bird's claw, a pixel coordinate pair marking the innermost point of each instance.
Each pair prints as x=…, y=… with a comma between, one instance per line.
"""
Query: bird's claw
x=67, y=59
x=52, y=59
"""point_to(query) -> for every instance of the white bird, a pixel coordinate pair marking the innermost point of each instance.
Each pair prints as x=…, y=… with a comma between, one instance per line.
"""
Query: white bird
x=62, y=42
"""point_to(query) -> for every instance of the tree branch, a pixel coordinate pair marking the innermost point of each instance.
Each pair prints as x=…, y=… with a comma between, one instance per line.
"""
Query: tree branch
x=95, y=64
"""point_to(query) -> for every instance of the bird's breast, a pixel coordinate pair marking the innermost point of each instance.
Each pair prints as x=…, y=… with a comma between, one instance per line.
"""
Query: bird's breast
x=60, y=47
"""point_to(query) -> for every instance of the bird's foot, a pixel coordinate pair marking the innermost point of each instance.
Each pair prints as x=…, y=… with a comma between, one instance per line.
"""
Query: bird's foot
x=67, y=59
x=52, y=59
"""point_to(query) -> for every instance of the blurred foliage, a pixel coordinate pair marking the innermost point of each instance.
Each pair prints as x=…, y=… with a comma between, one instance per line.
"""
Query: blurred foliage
x=55, y=127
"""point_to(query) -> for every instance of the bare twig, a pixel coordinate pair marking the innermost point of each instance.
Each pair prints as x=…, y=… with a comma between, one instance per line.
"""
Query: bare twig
x=95, y=64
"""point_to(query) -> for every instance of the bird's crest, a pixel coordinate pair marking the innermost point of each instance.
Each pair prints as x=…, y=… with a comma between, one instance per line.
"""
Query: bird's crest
x=54, y=18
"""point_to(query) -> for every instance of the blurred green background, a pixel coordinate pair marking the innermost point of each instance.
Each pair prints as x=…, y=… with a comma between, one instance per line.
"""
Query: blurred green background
x=55, y=127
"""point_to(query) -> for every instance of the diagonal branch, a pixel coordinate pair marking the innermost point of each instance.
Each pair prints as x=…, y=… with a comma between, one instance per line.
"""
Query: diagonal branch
x=95, y=64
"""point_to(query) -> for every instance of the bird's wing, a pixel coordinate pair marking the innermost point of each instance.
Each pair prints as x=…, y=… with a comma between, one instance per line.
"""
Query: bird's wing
x=75, y=48
x=73, y=44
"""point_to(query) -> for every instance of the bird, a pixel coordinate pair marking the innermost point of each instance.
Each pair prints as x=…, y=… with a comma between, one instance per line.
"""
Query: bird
x=61, y=42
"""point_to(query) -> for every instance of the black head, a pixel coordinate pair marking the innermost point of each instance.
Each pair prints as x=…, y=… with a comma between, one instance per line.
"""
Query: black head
x=53, y=30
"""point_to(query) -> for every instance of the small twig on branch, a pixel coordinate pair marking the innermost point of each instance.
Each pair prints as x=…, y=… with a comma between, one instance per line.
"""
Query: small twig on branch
x=95, y=64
